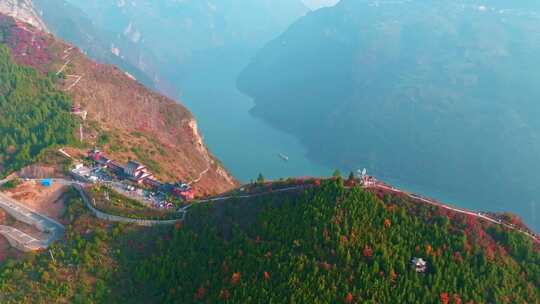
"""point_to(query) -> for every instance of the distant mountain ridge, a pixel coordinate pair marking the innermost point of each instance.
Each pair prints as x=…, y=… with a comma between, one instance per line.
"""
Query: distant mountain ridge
x=73, y=25
x=433, y=94
x=191, y=37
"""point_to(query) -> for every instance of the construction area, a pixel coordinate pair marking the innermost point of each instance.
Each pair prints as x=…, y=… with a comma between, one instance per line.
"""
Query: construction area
x=24, y=228
x=44, y=199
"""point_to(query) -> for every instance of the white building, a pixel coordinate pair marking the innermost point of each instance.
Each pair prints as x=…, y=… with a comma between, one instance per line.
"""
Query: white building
x=419, y=265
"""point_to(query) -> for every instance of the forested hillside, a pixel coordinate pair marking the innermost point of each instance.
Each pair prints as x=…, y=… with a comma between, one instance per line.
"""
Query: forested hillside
x=34, y=115
x=333, y=246
x=327, y=245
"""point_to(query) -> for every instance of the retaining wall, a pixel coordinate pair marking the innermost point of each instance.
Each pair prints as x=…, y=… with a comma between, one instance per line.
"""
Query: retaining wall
x=33, y=245
x=120, y=219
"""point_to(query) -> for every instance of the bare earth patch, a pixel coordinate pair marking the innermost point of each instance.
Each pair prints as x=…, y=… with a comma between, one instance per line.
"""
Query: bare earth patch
x=44, y=200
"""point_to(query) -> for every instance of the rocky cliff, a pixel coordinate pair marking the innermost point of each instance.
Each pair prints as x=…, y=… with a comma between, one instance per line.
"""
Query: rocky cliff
x=23, y=10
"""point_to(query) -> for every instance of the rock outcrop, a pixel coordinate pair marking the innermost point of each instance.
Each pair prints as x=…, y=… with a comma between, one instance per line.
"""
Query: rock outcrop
x=22, y=10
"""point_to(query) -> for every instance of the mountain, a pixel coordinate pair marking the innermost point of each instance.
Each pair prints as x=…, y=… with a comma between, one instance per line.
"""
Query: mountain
x=23, y=10
x=438, y=96
x=124, y=118
x=192, y=38
x=303, y=240
x=327, y=244
x=72, y=25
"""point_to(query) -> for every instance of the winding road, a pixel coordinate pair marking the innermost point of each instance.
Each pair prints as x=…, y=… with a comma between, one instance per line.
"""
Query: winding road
x=432, y=202
x=55, y=230
x=366, y=186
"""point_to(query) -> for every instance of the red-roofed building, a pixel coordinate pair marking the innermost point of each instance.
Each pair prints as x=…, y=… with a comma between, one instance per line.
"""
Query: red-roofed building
x=184, y=191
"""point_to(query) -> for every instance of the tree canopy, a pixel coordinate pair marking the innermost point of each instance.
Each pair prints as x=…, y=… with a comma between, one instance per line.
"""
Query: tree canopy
x=34, y=115
x=327, y=245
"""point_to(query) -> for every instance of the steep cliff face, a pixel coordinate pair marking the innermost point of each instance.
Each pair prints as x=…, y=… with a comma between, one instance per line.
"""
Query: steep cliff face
x=73, y=25
x=22, y=10
x=126, y=119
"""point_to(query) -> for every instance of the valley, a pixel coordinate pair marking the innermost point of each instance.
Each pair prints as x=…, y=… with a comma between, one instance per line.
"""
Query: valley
x=112, y=192
x=434, y=97
x=224, y=116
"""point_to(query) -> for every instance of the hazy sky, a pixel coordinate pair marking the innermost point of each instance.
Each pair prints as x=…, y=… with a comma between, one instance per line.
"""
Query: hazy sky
x=314, y=4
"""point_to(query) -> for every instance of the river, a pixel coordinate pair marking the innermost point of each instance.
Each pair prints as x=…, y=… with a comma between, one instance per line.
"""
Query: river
x=248, y=146
x=245, y=144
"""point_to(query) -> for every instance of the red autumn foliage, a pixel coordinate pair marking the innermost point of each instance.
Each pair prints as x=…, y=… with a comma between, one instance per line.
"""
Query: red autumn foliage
x=445, y=299
x=429, y=249
x=200, y=294
x=390, y=208
x=393, y=275
x=325, y=266
x=457, y=257
x=266, y=276
x=235, y=278
x=28, y=45
x=367, y=252
x=349, y=298
x=456, y=299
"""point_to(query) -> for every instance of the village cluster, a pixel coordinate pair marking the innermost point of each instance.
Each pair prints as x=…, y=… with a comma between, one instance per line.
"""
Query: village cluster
x=133, y=180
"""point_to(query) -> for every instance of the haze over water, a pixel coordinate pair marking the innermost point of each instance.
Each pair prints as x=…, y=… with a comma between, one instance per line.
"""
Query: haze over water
x=248, y=146
x=245, y=144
